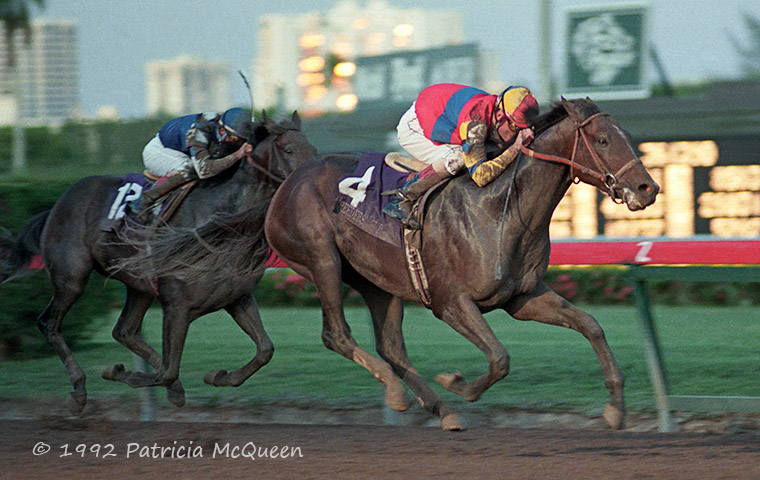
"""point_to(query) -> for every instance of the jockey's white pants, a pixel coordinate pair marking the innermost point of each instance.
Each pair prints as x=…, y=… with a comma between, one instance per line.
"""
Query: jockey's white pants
x=414, y=141
x=160, y=160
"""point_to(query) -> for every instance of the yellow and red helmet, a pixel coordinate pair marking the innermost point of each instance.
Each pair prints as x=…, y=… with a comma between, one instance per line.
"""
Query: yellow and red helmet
x=518, y=104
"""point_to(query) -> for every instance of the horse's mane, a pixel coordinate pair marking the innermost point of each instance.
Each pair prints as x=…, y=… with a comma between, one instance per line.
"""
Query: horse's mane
x=584, y=106
x=228, y=246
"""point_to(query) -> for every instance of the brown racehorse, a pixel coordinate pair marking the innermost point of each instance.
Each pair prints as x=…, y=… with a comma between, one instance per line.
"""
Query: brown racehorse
x=473, y=264
x=72, y=244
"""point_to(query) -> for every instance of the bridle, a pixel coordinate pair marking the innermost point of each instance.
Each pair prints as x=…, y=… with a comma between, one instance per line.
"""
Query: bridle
x=268, y=169
x=603, y=173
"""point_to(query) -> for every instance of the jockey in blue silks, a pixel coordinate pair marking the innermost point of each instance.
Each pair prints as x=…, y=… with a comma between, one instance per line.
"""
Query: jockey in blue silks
x=191, y=147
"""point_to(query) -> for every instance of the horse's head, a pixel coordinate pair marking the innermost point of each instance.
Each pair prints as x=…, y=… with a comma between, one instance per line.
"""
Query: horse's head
x=280, y=147
x=601, y=154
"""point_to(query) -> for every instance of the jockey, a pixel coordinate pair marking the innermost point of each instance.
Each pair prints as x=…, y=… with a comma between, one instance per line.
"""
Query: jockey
x=191, y=147
x=451, y=127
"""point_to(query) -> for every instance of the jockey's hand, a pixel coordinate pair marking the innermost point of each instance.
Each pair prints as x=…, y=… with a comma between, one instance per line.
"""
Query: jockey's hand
x=524, y=137
x=244, y=151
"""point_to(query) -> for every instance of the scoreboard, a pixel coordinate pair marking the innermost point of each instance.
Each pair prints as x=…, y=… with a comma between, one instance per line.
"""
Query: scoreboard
x=709, y=187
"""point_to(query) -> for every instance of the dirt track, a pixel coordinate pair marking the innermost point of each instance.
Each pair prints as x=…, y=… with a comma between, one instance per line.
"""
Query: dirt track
x=366, y=452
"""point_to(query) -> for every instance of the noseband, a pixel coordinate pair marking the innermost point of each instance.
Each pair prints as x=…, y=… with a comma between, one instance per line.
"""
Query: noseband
x=603, y=173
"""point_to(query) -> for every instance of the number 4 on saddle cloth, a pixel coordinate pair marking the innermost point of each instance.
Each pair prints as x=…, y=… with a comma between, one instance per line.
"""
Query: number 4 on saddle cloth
x=360, y=199
x=131, y=189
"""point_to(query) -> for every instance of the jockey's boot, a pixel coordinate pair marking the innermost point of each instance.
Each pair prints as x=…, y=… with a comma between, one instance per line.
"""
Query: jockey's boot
x=163, y=185
x=400, y=207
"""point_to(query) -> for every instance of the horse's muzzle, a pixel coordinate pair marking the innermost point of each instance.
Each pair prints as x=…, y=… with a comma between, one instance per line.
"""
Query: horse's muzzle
x=640, y=197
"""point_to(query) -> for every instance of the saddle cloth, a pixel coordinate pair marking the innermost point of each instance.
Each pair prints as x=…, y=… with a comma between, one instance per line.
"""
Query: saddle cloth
x=131, y=188
x=360, y=198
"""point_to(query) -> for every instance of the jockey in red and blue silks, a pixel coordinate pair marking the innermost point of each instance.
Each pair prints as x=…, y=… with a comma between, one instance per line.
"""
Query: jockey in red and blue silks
x=193, y=146
x=452, y=126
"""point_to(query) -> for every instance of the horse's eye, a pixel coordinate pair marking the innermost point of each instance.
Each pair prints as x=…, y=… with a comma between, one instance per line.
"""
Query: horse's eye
x=602, y=142
x=289, y=150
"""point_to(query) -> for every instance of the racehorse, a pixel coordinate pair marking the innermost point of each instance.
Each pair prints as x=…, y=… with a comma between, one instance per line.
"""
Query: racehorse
x=482, y=248
x=72, y=245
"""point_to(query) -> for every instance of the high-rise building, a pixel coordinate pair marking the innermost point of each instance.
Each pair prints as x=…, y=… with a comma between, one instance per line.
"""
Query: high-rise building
x=305, y=61
x=186, y=85
x=48, y=74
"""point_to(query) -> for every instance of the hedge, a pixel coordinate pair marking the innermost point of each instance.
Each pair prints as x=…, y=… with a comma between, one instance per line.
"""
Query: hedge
x=599, y=285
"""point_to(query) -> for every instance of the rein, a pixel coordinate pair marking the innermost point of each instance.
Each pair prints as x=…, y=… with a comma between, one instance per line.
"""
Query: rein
x=603, y=174
x=276, y=178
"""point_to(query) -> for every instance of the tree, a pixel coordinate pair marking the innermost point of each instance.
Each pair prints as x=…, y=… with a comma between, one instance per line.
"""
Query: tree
x=14, y=15
x=750, y=54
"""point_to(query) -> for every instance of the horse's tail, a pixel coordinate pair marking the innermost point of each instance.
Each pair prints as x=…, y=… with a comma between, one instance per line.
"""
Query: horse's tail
x=15, y=255
x=226, y=248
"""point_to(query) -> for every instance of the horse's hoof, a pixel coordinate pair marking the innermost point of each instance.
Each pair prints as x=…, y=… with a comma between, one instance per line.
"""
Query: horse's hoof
x=446, y=380
x=217, y=378
x=176, y=395
x=397, y=399
x=614, y=417
x=76, y=402
x=452, y=423
x=113, y=372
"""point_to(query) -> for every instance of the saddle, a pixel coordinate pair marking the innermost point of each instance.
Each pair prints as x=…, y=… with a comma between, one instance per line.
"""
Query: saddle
x=168, y=203
x=404, y=163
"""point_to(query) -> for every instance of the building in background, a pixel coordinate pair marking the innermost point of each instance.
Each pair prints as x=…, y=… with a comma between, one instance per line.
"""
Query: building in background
x=48, y=69
x=186, y=85
x=307, y=62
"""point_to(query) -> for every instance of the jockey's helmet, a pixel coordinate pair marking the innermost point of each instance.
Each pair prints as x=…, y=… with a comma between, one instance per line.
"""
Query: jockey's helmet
x=234, y=121
x=518, y=104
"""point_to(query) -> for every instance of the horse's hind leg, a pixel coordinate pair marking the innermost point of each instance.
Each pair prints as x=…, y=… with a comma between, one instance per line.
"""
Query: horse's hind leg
x=387, y=316
x=65, y=293
x=546, y=306
x=246, y=313
x=127, y=332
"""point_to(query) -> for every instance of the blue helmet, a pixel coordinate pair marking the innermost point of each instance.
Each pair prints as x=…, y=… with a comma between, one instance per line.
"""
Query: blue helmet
x=235, y=121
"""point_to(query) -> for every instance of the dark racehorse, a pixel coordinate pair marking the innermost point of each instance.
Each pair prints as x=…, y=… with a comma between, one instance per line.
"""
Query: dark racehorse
x=473, y=264
x=72, y=245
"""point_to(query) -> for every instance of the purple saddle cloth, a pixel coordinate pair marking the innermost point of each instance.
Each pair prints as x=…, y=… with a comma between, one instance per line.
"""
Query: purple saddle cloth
x=360, y=198
x=131, y=188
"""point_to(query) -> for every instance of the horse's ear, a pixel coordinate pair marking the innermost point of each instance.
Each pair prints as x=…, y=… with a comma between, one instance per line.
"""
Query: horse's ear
x=570, y=109
x=296, y=119
x=264, y=117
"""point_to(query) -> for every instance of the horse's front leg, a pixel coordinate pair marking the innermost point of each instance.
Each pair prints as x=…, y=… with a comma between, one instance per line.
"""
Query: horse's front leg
x=245, y=312
x=545, y=306
x=175, y=325
x=464, y=316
